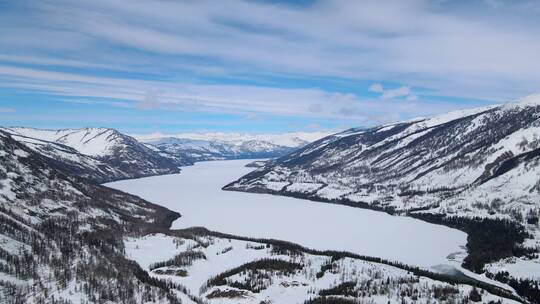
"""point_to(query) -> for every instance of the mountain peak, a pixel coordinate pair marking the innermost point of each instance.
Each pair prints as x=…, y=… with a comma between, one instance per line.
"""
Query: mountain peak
x=101, y=154
x=532, y=100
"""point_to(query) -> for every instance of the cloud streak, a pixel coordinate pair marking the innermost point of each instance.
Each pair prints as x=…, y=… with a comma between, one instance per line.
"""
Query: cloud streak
x=401, y=92
x=232, y=99
x=419, y=49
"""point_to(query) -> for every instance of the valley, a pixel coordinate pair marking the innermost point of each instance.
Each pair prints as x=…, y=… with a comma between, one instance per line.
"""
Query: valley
x=270, y=152
x=196, y=194
x=242, y=228
x=315, y=224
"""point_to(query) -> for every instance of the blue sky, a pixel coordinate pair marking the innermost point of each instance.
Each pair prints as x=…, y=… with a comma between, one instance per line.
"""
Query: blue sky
x=260, y=66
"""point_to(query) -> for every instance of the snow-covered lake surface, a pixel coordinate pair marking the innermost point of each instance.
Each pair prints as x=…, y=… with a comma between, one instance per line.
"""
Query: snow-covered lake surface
x=196, y=193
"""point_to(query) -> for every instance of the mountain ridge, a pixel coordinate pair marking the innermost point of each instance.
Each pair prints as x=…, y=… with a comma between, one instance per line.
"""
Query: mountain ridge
x=221, y=146
x=288, y=139
x=101, y=154
x=469, y=169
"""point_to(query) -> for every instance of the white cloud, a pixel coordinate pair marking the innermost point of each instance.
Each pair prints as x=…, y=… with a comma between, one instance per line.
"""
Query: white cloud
x=235, y=99
x=150, y=102
x=395, y=93
x=428, y=43
x=376, y=87
x=401, y=92
x=447, y=50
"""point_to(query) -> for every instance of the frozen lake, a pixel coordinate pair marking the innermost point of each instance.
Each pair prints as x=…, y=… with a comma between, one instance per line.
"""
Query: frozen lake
x=196, y=193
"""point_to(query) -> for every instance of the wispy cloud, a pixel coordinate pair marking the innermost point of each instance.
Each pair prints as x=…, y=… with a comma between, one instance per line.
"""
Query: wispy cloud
x=400, y=92
x=204, y=55
x=234, y=99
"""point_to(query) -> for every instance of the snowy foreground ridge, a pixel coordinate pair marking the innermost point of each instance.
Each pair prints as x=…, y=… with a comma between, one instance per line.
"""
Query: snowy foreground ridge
x=214, y=269
x=61, y=236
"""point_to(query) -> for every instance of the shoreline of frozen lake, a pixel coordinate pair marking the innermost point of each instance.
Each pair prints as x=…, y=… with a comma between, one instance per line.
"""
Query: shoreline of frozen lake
x=196, y=194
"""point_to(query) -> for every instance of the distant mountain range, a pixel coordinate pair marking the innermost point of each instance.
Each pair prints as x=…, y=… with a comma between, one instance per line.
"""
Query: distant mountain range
x=219, y=146
x=104, y=154
x=288, y=139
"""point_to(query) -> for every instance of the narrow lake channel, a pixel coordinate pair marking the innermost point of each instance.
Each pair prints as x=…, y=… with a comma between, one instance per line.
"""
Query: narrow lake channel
x=196, y=193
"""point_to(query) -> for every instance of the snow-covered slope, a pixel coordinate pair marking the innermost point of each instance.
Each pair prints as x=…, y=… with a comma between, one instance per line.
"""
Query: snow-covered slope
x=218, y=146
x=96, y=142
x=471, y=163
x=100, y=154
x=61, y=236
x=482, y=154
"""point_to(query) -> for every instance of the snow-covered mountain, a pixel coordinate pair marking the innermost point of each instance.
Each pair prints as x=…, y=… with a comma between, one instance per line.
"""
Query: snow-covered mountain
x=201, y=150
x=476, y=170
x=64, y=239
x=472, y=163
x=481, y=154
x=217, y=146
x=100, y=154
x=103, y=154
x=287, y=139
x=61, y=235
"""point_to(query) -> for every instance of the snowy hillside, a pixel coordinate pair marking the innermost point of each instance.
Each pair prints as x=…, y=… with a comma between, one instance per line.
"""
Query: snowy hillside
x=96, y=142
x=482, y=154
x=219, y=146
x=472, y=163
x=100, y=154
x=61, y=236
